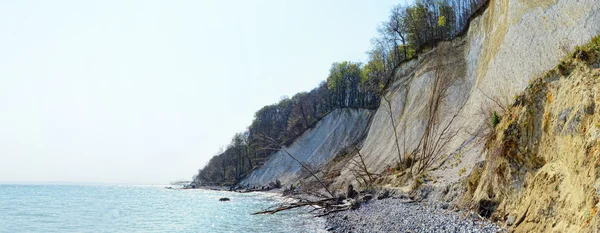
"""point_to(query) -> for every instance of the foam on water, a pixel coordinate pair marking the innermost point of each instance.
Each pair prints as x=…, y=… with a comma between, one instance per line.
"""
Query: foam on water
x=126, y=208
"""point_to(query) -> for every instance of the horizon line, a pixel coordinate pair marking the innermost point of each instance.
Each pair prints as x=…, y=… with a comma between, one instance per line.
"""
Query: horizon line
x=74, y=183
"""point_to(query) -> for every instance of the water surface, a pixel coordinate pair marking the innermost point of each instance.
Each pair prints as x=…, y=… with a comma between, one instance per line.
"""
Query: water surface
x=127, y=208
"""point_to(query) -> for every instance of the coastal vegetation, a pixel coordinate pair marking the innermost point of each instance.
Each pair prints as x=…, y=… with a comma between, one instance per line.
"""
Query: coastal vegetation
x=409, y=31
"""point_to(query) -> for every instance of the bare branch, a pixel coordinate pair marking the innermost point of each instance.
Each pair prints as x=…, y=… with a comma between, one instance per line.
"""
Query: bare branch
x=389, y=104
x=273, y=145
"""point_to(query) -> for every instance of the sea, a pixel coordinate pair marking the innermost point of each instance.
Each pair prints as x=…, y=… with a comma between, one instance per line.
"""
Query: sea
x=143, y=208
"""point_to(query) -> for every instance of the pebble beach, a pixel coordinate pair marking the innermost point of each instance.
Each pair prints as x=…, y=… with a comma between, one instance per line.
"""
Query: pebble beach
x=395, y=215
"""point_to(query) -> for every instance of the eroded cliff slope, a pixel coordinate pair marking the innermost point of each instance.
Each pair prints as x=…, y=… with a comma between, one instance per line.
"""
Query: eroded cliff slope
x=339, y=130
x=542, y=171
x=508, y=45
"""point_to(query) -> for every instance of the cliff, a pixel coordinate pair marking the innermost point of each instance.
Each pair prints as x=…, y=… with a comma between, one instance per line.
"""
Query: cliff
x=542, y=168
x=511, y=43
x=446, y=99
x=339, y=130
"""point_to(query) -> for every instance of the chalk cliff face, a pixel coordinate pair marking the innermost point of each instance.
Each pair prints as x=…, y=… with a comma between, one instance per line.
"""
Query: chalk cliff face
x=554, y=184
x=339, y=130
x=506, y=47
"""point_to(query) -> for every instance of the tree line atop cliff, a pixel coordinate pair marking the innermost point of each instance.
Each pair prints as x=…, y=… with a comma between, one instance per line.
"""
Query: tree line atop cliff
x=409, y=30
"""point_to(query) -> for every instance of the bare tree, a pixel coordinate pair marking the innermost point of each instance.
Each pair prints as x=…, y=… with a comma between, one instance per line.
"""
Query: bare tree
x=400, y=159
x=361, y=171
x=438, y=134
x=396, y=29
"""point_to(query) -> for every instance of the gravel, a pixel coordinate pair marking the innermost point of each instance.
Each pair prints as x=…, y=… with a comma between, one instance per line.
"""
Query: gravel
x=394, y=215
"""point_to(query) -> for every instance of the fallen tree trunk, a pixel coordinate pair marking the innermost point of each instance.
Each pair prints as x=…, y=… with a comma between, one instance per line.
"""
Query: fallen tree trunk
x=326, y=206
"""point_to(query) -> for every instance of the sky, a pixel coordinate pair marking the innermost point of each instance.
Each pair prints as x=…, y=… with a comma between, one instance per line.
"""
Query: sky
x=146, y=92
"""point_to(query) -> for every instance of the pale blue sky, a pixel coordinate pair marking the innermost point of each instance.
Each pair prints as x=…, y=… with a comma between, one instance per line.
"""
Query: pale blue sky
x=147, y=91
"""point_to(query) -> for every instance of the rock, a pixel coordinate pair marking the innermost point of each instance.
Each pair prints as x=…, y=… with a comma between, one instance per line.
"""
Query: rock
x=486, y=208
x=383, y=195
x=444, y=205
x=354, y=204
x=510, y=220
x=367, y=197
x=224, y=199
x=351, y=192
x=330, y=229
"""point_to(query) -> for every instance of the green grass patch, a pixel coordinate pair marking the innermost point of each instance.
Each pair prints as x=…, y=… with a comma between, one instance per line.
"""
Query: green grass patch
x=595, y=43
x=495, y=119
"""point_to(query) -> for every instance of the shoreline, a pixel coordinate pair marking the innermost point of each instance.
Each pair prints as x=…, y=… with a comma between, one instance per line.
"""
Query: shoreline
x=392, y=214
x=389, y=214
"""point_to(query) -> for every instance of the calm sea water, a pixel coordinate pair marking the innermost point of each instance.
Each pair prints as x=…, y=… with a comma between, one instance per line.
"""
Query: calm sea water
x=123, y=208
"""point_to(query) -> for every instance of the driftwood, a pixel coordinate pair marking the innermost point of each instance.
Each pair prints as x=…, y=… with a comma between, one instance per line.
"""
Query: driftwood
x=332, y=211
x=323, y=207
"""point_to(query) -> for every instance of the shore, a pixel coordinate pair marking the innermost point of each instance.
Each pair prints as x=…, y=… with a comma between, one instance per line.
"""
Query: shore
x=395, y=215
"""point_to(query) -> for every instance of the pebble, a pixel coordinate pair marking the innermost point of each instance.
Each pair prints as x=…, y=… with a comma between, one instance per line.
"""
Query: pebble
x=510, y=220
x=392, y=215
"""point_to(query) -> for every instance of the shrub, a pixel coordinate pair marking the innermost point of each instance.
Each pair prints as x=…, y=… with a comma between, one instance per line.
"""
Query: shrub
x=462, y=171
x=495, y=119
x=576, y=51
x=408, y=161
x=419, y=180
x=561, y=68
x=595, y=44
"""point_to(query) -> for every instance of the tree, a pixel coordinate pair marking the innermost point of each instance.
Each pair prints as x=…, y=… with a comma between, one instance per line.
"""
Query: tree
x=396, y=30
x=438, y=132
x=446, y=20
x=300, y=114
x=344, y=82
x=417, y=26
